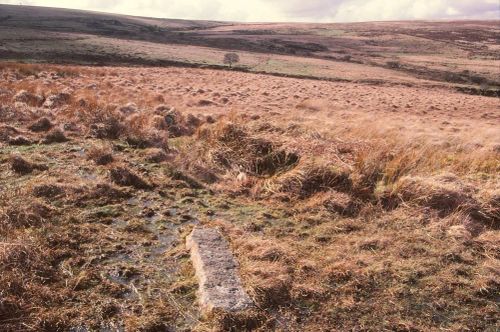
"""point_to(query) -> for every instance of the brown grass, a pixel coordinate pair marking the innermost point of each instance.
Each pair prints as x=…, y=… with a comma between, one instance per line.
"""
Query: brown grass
x=23, y=167
x=125, y=177
x=341, y=218
x=101, y=154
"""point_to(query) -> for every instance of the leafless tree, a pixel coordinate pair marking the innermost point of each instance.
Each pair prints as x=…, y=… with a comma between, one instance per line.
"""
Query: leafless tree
x=231, y=58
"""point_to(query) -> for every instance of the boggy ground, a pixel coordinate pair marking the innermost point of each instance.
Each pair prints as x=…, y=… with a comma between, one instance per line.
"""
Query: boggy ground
x=348, y=206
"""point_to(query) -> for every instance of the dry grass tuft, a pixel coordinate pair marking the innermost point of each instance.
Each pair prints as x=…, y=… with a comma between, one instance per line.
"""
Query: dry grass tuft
x=57, y=100
x=55, y=136
x=20, y=141
x=28, y=98
x=102, y=123
x=6, y=132
x=445, y=193
x=270, y=283
x=23, y=167
x=125, y=177
x=155, y=155
x=103, y=194
x=228, y=148
x=249, y=320
x=177, y=125
x=141, y=134
x=101, y=154
x=312, y=105
x=342, y=204
x=32, y=214
x=40, y=125
x=490, y=208
x=307, y=179
x=49, y=190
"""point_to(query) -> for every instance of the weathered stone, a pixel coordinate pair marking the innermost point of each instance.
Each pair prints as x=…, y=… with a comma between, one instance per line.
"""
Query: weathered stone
x=217, y=272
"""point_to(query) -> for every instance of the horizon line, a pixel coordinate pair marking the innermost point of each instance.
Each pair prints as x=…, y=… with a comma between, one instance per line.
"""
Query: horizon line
x=444, y=20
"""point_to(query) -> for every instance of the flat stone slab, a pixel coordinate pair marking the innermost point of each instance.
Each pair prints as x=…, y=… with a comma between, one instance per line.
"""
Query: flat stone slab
x=217, y=272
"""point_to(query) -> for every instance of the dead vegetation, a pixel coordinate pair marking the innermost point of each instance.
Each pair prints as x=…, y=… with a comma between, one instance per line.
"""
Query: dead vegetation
x=23, y=167
x=228, y=149
x=40, y=125
x=101, y=154
x=308, y=179
x=336, y=224
x=124, y=177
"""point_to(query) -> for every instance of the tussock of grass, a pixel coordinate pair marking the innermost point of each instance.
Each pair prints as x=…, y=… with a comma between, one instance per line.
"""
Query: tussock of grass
x=103, y=123
x=55, y=136
x=307, y=179
x=30, y=215
x=23, y=167
x=228, y=149
x=445, y=193
x=125, y=177
x=23, y=70
x=140, y=133
x=40, y=125
x=104, y=194
x=101, y=154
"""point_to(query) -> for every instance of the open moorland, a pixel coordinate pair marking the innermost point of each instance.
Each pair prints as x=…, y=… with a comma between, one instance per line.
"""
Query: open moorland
x=461, y=54
x=361, y=193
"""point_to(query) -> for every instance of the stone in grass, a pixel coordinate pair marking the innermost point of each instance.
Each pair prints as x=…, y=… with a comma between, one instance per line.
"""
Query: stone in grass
x=220, y=288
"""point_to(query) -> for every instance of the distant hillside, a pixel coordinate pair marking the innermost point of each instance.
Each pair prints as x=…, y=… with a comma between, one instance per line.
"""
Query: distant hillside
x=462, y=52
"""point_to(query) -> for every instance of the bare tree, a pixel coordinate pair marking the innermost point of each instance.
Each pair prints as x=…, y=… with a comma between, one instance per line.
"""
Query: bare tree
x=231, y=58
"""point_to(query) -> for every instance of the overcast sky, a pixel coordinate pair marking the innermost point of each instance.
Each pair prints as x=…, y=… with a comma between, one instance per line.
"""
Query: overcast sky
x=287, y=10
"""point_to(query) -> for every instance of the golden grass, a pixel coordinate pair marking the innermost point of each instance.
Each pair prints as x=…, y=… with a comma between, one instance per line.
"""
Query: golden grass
x=348, y=225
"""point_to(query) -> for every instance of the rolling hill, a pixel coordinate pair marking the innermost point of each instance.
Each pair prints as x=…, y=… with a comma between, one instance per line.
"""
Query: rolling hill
x=463, y=54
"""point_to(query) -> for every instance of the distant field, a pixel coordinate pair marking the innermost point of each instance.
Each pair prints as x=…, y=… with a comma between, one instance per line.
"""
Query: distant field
x=461, y=54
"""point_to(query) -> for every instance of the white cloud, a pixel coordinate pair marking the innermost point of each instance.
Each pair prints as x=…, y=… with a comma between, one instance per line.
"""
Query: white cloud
x=287, y=10
x=369, y=10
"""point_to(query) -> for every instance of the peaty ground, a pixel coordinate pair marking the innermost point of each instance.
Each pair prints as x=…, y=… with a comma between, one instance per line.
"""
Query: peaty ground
x=348, y=206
